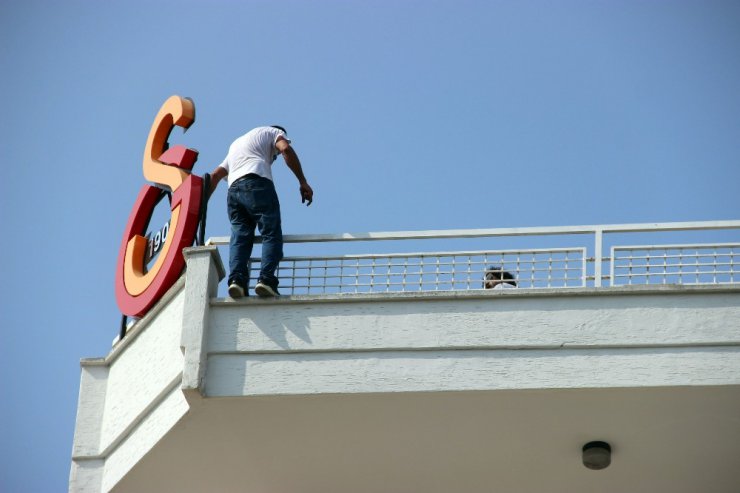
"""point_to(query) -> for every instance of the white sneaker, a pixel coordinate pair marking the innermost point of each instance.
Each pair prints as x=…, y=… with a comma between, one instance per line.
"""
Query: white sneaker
x=265, y=291
x=236, y=291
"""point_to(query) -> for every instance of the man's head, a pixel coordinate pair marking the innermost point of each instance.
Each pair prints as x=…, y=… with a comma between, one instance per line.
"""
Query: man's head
x=496, y=275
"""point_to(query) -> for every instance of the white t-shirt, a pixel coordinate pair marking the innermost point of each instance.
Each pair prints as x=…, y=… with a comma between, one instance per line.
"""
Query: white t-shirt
x=253, y=152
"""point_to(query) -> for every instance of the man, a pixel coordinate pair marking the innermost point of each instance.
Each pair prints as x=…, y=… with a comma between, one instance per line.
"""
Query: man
x=252, y=201
x=497, y=278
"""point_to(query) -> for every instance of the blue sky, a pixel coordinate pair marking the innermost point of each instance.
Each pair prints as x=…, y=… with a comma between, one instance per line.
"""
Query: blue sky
x=407, y=115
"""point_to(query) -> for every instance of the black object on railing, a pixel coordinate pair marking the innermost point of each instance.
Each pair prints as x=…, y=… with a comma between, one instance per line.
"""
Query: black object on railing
x=199, y=237
x=122, y=333
x=203, y=213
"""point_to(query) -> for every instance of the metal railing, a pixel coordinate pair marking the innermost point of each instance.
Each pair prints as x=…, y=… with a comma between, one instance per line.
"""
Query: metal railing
x=556, y=267
x=676, y=264
x=435, y=271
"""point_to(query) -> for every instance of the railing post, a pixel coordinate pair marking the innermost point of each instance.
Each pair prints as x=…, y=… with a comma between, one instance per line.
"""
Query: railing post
x=598, y=258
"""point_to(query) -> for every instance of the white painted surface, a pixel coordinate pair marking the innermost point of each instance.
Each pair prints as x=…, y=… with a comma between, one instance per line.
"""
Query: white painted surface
x=484, y=321
x=86, y=475
x=203, y=274
x=90, y=411
x=479, y=341
x=677, y=440
x=123, y=394
x=142, y=372
x=453, y=371
x=144, y=436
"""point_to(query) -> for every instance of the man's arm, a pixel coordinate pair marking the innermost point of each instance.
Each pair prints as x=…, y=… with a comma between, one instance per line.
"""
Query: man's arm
x=291, y=159
x=216, y=176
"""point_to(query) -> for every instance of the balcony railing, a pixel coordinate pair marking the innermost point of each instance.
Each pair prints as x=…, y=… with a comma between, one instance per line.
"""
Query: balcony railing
x=577, y=264
x=676, y=264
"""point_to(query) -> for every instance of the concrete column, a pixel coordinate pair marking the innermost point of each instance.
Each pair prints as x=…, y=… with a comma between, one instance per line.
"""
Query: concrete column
x=87, y=469
x=204, y=271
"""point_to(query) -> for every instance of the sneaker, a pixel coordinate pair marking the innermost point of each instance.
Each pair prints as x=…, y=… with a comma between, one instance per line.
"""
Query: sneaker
x=236, y=291
x=265, y=290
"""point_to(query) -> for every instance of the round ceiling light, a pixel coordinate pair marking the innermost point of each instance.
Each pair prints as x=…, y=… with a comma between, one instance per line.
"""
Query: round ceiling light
x=597, y=455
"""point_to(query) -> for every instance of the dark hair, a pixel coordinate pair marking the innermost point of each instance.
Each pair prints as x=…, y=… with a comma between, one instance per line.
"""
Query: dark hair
x=280, y=128
x=501, y=275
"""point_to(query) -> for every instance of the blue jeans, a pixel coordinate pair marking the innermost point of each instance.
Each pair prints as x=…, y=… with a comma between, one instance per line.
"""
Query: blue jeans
x=252, y=201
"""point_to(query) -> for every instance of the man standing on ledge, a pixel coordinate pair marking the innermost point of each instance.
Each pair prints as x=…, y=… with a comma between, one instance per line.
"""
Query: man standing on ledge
x=252, y=201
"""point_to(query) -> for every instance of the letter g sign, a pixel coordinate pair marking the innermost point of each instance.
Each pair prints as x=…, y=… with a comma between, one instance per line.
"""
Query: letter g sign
x=138, y=288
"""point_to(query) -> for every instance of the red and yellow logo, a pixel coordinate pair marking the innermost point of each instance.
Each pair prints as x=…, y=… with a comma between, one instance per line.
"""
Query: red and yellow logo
x=138, y=288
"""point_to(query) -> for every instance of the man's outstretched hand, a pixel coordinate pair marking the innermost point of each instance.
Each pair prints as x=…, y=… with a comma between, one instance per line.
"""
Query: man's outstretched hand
x=306, y=194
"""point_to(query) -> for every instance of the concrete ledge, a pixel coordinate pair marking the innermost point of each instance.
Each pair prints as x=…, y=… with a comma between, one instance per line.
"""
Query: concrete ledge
x=139, y=327
x=479, y=370
x=486, y=294
x=590, y=319
x=155, y=425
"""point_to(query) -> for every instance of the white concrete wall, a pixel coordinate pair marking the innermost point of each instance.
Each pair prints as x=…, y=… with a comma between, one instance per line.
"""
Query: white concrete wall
x=119, y=393
x=579, y=338
x=451, y=371
x=143, y=373
x=164, y=415
x=483, y=319
x=134, y=396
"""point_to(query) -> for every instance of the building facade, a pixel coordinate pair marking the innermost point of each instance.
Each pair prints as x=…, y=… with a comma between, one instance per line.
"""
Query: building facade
x=428, y=390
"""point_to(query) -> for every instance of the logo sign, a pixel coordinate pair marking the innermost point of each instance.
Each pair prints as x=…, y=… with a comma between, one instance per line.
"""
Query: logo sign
x=138, y=288
x=155, y=242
